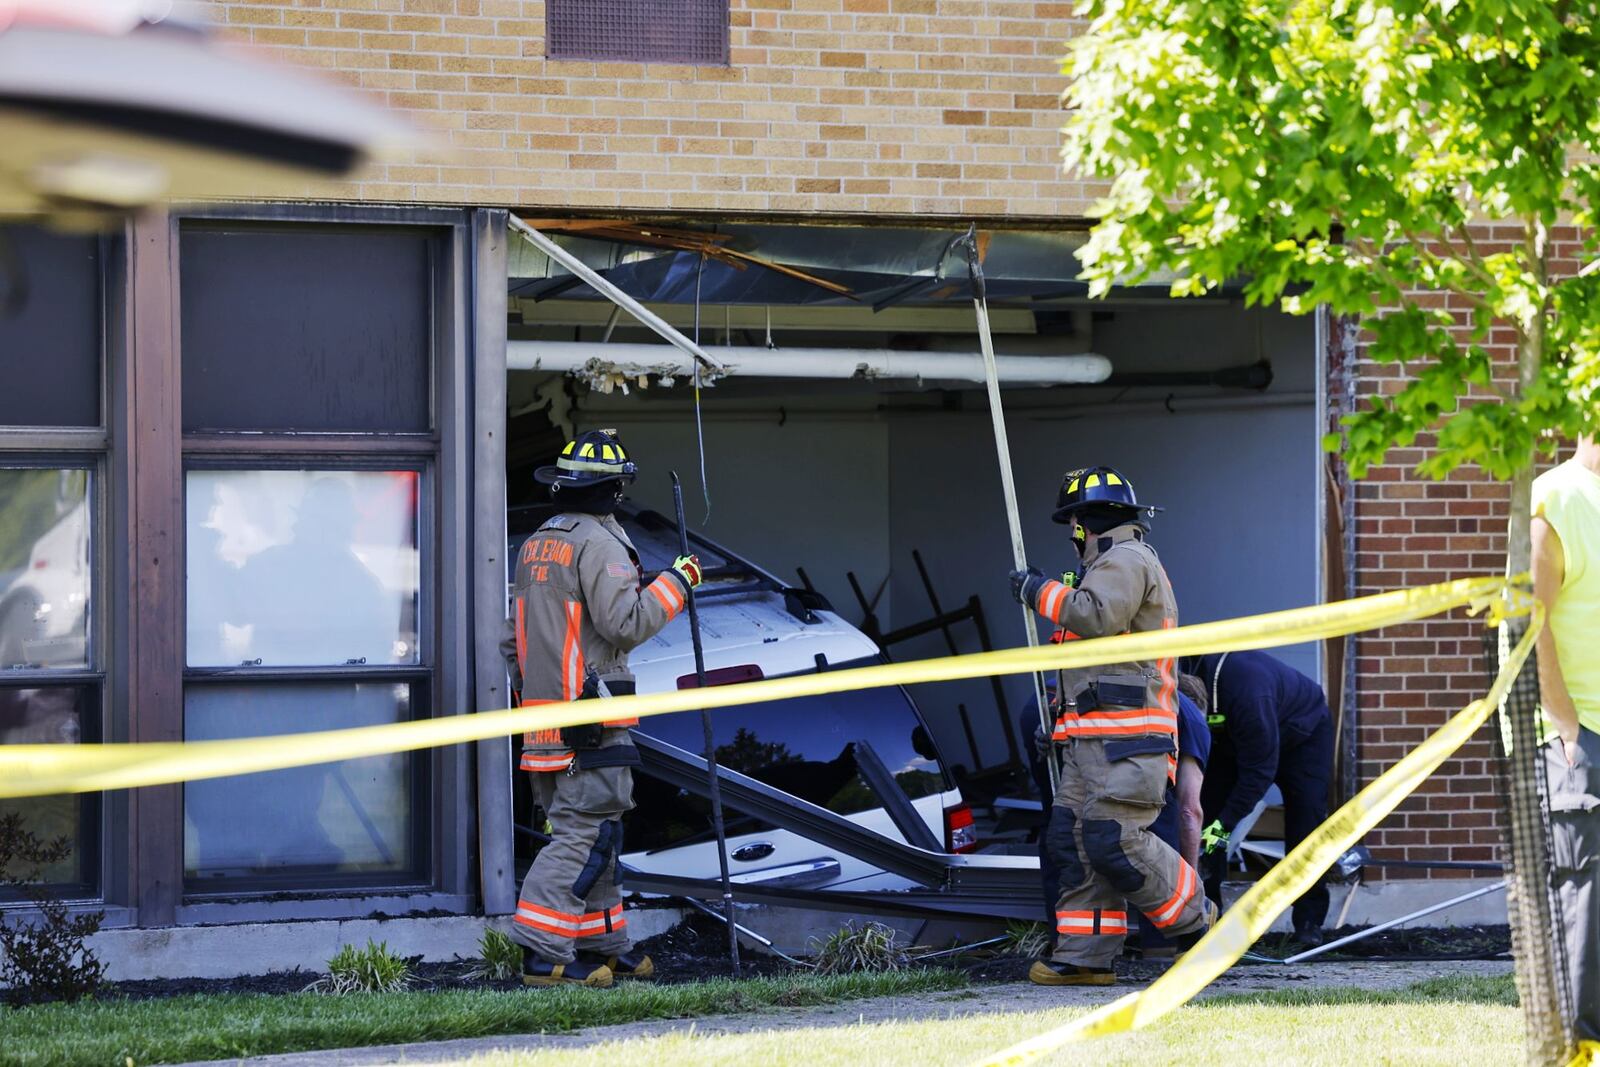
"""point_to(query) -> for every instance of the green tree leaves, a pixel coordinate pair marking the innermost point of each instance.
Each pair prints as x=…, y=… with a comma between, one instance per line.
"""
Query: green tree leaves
x=1351, y=153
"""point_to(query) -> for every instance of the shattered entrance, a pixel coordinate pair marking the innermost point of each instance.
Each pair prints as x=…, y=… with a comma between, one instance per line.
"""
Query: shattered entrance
x=836, y=436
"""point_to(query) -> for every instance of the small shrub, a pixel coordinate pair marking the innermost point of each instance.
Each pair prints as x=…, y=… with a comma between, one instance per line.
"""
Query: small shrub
x=499, y=957
x=854, y=950
x=43, y=956
x=373, y=969
x=1028, y=940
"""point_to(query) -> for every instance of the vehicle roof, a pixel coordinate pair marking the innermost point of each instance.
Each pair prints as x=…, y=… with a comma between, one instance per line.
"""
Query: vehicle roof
x=749, y=627
x=745, y=615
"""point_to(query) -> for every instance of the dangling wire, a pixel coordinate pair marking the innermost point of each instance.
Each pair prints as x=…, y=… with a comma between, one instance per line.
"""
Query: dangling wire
x=699, y=424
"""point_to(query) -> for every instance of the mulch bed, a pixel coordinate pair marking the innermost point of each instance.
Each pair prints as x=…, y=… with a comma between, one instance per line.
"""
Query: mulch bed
x=697, y=950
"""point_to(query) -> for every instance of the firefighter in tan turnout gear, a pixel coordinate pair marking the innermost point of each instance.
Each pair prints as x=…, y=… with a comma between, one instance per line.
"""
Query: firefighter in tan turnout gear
x=1115, y=740
x=580, y=607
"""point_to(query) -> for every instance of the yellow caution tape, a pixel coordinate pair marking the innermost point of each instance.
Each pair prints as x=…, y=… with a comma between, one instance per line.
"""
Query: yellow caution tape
x=43, y=770
x=1250, y=917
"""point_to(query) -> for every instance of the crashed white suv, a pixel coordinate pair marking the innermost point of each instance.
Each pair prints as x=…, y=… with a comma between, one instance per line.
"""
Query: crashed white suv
x=754, y=626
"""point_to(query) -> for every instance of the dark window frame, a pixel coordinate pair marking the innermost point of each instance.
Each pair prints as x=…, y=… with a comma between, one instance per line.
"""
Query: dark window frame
x=444, y=503
x=91, y=807
x=110, y=253
x=438, y=285
x=103, y=817
x=421, y=789
x=422, y=676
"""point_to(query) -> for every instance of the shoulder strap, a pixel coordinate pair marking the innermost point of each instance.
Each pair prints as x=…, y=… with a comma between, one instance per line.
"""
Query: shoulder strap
x=1215, y=714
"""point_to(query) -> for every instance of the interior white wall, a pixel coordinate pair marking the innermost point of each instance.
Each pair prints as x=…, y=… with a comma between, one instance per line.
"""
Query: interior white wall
x=1238, y=535
x=812, y=492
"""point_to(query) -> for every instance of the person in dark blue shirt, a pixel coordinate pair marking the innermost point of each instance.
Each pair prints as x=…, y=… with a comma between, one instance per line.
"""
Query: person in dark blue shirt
x=1178, y=824
x=1269, y=724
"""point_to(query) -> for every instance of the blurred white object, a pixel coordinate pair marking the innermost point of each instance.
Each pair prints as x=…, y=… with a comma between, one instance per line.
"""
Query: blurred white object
x=107, y=106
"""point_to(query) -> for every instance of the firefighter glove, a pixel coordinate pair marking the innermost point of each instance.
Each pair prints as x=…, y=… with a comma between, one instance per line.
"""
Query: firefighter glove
x=1214, y=838
x=1025, y=586
x=687, y=569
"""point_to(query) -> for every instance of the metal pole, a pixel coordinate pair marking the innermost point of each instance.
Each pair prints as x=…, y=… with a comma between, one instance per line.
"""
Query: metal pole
x=1008, y=486
x=612, y=293
x=764, y=942
x=1441, y=906
x=711, y=750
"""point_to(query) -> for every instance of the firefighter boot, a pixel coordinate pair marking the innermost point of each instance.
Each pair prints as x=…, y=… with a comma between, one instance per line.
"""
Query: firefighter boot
x=1043, y=972
x=627, y=965
x=537, y=972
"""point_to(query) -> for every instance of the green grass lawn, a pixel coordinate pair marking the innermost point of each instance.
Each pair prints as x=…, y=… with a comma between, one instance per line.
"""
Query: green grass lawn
x=128, y=1033
x=1447, y=1022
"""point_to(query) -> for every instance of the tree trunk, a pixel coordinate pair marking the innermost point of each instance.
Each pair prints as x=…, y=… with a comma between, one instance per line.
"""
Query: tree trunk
x=1538, y=933
x=1530, y=357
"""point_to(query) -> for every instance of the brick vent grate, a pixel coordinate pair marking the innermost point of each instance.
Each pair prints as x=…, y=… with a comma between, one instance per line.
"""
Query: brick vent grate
x=639, y=31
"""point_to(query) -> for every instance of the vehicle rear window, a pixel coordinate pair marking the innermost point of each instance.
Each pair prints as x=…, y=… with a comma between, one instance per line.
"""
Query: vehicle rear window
x=804, y=746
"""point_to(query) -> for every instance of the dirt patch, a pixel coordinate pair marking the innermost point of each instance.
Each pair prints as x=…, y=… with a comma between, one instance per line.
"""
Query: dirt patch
x=1420, y=943
x=697, y=949
x=429, y=976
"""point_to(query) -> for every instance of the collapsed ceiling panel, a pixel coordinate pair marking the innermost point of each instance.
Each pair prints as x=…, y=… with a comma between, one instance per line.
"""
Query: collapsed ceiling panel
x=798, y=265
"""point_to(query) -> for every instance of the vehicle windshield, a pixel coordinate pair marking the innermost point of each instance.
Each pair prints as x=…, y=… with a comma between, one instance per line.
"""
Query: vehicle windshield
x=805, y=746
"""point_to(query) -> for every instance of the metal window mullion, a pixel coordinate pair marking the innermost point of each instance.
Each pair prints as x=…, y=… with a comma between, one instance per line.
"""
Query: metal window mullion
x=308, y=673
x=71, y=444
x=45, y=678
x=356, y=451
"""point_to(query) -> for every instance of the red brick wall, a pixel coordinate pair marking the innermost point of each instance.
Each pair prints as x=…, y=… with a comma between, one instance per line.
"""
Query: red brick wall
x=1411, y=530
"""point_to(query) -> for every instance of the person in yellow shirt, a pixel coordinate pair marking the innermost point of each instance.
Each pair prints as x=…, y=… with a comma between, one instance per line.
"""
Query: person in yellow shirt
x=1566, y=579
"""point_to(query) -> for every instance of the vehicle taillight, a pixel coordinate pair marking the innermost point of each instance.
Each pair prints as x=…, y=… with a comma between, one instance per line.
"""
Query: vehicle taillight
x=959, y=833
x=744, y=672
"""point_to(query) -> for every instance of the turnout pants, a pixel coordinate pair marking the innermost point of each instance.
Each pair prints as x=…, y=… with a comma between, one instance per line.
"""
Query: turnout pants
x=1575, y=860
x=1302, y=778
x=1100, y=841
x=569, y=899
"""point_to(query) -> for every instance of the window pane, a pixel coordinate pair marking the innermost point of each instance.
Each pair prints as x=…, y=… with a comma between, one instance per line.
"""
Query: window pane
x=305, y=329
x=44, y=567
x=52, y=347
x=55, y=715
x=331, y=824
x=302, y=568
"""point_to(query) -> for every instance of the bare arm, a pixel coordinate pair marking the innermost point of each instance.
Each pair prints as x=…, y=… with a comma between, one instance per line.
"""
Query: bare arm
x=1549, y=569
x=1190, y=776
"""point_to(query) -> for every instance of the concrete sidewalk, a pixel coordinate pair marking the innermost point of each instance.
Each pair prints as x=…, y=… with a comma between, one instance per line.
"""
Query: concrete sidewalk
x=977, y=1000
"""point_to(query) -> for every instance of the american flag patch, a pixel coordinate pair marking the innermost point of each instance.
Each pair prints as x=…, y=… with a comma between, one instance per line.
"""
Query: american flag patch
x=621, y=570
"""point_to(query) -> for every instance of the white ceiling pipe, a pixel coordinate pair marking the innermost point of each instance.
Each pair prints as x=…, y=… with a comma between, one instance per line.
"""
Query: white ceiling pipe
x=622, y=363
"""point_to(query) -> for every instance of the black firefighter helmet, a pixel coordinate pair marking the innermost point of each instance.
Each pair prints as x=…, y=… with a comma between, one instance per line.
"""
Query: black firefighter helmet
x=1091, y=486
x=593, y=458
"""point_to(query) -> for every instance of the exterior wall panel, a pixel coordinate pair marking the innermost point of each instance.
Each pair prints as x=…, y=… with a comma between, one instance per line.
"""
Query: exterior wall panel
x=882, y=107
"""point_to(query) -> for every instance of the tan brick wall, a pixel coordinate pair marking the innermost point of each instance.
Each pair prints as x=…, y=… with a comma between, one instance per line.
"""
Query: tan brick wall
x=882, y=107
